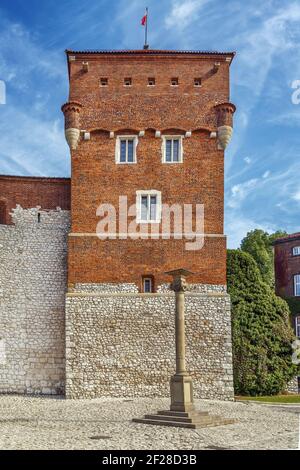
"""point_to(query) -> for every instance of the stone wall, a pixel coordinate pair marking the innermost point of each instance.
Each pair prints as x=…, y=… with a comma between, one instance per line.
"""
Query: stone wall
x=32, y=296
x=123, y=343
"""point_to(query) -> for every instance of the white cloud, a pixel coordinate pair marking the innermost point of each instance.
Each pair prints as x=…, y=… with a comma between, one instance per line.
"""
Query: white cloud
x=184, y=12
x=240, y=191
x=266, y=174
x=296, y=196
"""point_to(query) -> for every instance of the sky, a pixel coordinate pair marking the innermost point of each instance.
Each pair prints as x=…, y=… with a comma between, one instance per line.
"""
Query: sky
x=262, y=162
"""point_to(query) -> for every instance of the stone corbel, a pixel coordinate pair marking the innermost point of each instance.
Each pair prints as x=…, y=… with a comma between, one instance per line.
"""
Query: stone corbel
x=157, y=134
x=71, y=112
x=141, y=133
x=225, y=113
x=111, y=135
x=85, y=66
x=188, y=134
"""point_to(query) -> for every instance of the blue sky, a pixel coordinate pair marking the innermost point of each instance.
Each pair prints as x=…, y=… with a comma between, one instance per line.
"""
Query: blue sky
x=263, y=160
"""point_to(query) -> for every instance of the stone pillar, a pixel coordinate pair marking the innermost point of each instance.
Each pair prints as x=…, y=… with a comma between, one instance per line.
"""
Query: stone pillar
x=181, y=383
x=71, y=111
x=225, y=113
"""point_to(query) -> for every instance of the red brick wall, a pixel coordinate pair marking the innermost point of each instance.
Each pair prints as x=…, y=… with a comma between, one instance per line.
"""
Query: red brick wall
x=96, y=178
x=286, y=266
x=48, y=193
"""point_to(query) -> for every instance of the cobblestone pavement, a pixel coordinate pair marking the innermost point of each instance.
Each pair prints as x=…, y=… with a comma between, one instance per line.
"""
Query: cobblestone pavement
x=52, y=423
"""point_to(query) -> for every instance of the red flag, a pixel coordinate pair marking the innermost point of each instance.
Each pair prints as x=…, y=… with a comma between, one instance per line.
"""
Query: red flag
x=144, y=20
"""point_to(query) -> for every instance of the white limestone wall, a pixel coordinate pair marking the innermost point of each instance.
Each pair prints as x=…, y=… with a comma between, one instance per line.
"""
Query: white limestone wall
x=32, y=296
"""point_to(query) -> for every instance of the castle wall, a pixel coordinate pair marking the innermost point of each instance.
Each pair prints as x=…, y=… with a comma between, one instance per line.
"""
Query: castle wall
x=122, y=343
x=32, y=191
x=32, y=296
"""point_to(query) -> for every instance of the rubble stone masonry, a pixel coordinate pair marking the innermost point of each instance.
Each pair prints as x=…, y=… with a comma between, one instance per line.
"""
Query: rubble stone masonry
x=32, y=298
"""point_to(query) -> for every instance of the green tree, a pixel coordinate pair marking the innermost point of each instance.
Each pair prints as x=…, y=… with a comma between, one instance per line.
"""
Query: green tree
x=262, y=335
x=259, y=244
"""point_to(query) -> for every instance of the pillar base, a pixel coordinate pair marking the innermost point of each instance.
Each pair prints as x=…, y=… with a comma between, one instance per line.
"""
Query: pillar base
x=192, y=420
x=181, y=393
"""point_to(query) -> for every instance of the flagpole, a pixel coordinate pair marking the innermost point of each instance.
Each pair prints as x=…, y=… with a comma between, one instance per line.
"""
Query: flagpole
x=146, y=46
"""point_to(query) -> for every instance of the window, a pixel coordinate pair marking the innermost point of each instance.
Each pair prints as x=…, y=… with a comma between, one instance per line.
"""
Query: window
x=296, y=251
x=103, y=81
x=297, y=326
x=172, y=149
x=151, y=81
x=197, y=82
x=147, y=285
x=148, y=206
x=126, y=149
x=127, y=81
x=297, y=285
x=174, y=82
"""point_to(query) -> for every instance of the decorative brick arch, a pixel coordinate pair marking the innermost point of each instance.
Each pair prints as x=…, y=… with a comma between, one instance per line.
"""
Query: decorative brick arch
x=3, y=211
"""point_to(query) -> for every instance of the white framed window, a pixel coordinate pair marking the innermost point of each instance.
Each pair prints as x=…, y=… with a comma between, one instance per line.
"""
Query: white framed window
x=296, y=251
x=147, y=285
x=126, y=149
x=297, y=285
x=297, y=326
x=148, y=206
x=172, y=149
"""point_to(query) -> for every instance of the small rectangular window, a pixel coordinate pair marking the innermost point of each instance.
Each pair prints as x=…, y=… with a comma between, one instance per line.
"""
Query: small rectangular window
x=197, y=82
x=126, y=150
x=296, y=251
x=151, y=81
x=297, y=285
x=148, y=206
x=172, y=150
x=103, y=81
x=174, y=81
x=147, y=285
x=127, y=81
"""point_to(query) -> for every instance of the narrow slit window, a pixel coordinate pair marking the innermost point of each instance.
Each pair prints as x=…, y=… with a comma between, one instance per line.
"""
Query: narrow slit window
x=174, y=81
x=103, y=81
x=127, y=81
x=151, y=81
x=147, y=285
x=197, y=82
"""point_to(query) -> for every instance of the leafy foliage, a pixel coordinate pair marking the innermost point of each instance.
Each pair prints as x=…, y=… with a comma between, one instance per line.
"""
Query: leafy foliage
x=262, y=335
x=259, y=244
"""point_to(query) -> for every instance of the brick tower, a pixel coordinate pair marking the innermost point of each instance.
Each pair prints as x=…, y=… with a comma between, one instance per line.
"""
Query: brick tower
x=149, y=128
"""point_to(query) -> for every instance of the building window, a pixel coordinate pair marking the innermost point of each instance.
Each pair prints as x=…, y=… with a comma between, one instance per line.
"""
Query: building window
x=297, y=285
x=103, y=81
x=126, y=149
x=148, y=206
x=148, y=284
x=297, y=326
x=197, y=81
x=127, y=81
x=174, y=82
x=296, y=251
x=151, y=81
x=172, y=149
